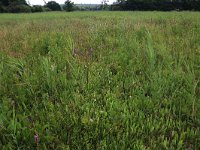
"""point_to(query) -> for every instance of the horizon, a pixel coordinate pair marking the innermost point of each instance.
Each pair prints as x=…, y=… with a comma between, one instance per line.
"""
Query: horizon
x=41, y=2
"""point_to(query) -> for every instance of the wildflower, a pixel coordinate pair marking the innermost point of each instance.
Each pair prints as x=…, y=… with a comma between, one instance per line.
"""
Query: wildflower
x=91, y=50
x=36, y=138
x=91, y=120
x=101, y=112
x=53, y=67
x=29, y=119
x=13, y=103
x=74, y=52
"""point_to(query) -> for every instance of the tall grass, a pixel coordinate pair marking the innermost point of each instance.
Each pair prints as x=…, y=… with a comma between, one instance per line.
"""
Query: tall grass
x=100, y=80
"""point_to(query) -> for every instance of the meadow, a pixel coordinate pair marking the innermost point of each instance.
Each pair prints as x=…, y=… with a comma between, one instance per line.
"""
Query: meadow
x=100, y=80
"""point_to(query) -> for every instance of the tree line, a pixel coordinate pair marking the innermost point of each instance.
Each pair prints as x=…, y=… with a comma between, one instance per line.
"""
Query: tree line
x=21, y=6
x=17, y=6
x=160, y=5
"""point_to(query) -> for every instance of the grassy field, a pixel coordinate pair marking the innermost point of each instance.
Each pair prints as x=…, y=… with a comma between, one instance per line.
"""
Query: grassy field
x=100, y=80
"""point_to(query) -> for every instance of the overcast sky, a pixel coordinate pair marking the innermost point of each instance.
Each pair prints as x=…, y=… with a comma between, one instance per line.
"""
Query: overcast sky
x=41, y=2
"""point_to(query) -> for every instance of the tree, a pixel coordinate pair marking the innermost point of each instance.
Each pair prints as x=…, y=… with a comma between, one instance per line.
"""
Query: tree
x=19, y=8
x=8, y=2
x=2, y=8
x=14, y=6
x=53, y=6
x=69, y=6
x=161, y=5
x=104, y=4
x=37, y=8
x=18, y=2
x=5, y=2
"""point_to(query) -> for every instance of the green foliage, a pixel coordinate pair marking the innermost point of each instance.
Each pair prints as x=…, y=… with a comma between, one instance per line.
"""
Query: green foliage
x=2, y=9
x=161, y=5
x=5, y=2
x=8, y=2
x=46, y=9
x=69, y=6
x=37, y=8
x=104, y=5
x=53, y=6
x=14, y=6
x=100, y=80
x=19, y=8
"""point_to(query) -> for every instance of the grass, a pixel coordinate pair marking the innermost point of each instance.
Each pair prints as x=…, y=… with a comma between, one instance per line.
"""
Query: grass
x=100, y=80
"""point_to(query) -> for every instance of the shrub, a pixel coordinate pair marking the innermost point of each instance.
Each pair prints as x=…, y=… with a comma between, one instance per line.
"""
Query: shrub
x=46, y=9
x=115, y=7
x=37, y=8
x=19, y=8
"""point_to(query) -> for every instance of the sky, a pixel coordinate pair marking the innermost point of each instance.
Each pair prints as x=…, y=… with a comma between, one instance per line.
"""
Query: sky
x=41, y=2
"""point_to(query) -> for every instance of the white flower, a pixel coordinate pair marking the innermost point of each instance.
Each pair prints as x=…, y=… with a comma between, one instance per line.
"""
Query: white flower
x=53, y=67
x=101, y=112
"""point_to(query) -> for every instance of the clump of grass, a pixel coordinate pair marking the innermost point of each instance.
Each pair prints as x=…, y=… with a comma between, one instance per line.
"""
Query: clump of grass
x=122, y=80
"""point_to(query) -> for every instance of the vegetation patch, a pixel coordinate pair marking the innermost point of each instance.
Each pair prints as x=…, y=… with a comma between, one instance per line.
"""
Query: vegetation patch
x=100, y=80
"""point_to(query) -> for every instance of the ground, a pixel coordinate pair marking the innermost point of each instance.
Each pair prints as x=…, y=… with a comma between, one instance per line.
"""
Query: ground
x=100, y=80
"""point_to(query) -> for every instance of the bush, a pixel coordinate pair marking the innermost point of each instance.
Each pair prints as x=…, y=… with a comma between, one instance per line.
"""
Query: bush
x=45, y=9
x=37, y=8
x=115, y=7
x=19, y=8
